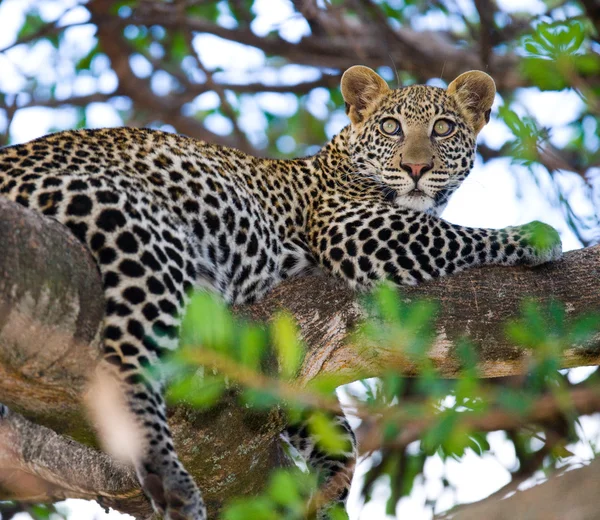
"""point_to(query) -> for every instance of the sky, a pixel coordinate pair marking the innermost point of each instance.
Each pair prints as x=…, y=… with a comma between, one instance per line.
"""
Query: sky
x=496, y=194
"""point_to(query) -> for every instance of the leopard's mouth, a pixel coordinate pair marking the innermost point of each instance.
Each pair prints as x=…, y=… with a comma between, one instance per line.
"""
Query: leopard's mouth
x=416, y=192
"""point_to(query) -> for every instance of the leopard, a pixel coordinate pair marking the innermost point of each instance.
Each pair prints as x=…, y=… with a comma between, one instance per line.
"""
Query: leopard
x=164, y=214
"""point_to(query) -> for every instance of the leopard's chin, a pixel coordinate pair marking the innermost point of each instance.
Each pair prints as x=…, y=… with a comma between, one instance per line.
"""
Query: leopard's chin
x=415, y=200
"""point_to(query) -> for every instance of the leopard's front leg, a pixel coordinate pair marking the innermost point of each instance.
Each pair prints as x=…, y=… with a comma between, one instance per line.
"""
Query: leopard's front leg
x=366, y=241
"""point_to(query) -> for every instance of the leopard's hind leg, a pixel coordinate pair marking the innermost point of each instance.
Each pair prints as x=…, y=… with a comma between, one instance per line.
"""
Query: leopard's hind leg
x=334, y=469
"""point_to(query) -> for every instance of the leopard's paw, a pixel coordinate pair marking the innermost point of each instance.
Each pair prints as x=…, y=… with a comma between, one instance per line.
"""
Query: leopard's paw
x=541, y=243
x=174, y=495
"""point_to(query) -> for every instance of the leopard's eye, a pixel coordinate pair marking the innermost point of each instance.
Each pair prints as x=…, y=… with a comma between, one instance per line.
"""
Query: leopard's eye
x=390, y=126
x=443, y=127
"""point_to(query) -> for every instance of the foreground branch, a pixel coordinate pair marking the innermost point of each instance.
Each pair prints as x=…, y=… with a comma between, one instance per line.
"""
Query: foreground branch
x=50, y=316
x=581, y=401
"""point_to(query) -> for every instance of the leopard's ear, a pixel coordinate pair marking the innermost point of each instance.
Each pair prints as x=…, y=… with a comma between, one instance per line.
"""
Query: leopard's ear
x=474, y=92
x=361, y=88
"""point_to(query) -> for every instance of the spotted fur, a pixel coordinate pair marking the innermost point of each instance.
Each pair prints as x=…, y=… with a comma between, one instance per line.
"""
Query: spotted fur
x=163, y=213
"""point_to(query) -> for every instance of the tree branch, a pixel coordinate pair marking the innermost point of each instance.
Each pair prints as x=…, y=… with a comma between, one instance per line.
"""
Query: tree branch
x=574, y=494
x=582, y=401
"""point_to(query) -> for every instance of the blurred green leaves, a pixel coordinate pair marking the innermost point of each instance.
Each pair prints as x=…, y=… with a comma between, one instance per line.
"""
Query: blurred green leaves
x=287, y=497
x=408, y=327
x=414, y=418
x=558, y=50
x=290, y=351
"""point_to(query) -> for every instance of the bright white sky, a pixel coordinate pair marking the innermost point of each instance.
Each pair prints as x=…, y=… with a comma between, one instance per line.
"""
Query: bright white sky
x=496, y=194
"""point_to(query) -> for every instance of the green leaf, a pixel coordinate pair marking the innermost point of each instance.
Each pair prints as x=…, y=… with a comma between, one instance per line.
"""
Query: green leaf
x=330, y=437
x=252, y=343
x=283, y=489
x=261, y=399
x=258, y=508
x=179, y=46
x=33, y=24
x=207, y=323
x=201, y=392
x=290, y=351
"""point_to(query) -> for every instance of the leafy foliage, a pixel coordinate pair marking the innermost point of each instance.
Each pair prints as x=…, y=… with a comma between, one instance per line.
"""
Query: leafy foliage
x=410, y=420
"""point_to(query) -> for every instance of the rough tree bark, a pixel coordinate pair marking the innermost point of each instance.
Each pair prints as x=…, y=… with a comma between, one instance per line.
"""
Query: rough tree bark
x=50, y=315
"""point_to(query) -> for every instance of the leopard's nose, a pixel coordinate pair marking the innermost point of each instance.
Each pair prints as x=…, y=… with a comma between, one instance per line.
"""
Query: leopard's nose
x=416, y=171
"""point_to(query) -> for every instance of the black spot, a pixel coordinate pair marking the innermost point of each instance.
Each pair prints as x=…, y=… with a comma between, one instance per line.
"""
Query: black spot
x=131, y=268
x=241, y=238
x=212, y=201
x=370, y=246
x=174, y=255
x=112, y=307
x=155, y=286
x=336, y=254
x=97, y=241
x=134, y=295
x=167, y=306
x=136, y=329
x=80, y=205
x=127, y=242
x=175, y=176
x=191, y=206
x=289, y=262
x=176, y=274
x=79, y=229
x=111, y=279
x=383, y=254
x=417, y=275
x=150, y=311
x=212, y=221
x=365, y=234
x=107, y=255
x=49, y=199
x=252, y=248
x=376, y=223
x=336, y=239
x=423, y=239
x=416, y=248
x=365, y=264
x=348, y=269
x=384, y=234
x=51, y=181
x=113, y=360
x=110, y=219
x=169, y=282
x=107, y=197
x=405, y=262
x=113, y=332
x=150, y=261
x=351, y=247
x=198, y=230
x=142, y=233
x=161, y=330
x=77, y=185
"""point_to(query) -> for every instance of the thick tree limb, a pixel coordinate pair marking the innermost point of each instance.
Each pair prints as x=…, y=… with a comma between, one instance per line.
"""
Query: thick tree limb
x=571, y=495
x=50, y=314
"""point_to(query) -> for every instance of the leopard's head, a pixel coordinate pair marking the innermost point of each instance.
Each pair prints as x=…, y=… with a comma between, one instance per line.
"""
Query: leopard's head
x=417, y=141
